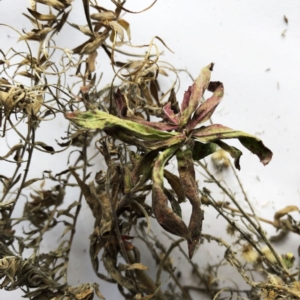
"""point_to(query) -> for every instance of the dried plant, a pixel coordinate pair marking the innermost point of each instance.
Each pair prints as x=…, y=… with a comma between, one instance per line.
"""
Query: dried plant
x=138, y=132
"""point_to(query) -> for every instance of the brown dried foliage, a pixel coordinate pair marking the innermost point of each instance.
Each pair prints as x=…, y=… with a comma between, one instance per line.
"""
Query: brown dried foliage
x=134, y=168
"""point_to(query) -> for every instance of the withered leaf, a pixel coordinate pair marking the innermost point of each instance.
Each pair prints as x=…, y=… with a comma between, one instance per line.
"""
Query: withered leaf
x=45, y=146
x=83, y=29
x=31, y=181
x=165, y=216
x=126, y=26
x=117, y=29
x=12, y=150
x=136, y=266
x=86, y=7
x=282, y=212
x=36, y=34
x=67, y=210
x=42, y=17
x=176, y=185
x=104, y=16
x=91, y=60
x=57, y=4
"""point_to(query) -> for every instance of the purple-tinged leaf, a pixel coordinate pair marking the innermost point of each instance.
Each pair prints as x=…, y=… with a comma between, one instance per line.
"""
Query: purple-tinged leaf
x=120, y=104
x=191, y=102
x=176, y=185
x=216, y=132
x=186, y=99
x=169, y=114
x=206, y=109
x=165, y=216
x=187, y=177
x=155, y=125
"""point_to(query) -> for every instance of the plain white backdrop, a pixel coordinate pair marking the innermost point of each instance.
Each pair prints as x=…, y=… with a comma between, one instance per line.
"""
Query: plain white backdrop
x=256, y=56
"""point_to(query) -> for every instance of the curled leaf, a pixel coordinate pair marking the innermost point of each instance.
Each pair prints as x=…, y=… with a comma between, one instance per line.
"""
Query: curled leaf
x=282, y=212
x=217, y=132
x=187, y=177
x=165, y=216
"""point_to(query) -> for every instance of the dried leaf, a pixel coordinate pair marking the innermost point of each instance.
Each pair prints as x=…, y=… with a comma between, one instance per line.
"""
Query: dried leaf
x=106, y=211
x=12, y=150
x=57, y=4
x=136, y=266
x=282, y=212
x=117, y=28
x=104, y=16
x=45, y=146
x=31, y=181
x=83, y=29
x=126, y=26
x=86, y=7
x=42, y=17
x=91, y=60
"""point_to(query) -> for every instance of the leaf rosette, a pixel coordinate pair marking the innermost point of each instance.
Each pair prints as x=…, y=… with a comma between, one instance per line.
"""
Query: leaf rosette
x=179, y=135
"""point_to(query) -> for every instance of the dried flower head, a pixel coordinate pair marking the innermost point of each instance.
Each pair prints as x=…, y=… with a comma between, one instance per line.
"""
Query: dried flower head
x=268, y=294
x=249, y=254
x=268, y=254
x=231, y=230
x=220, y=159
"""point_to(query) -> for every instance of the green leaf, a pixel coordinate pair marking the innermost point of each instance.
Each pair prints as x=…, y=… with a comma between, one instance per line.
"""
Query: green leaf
x=165, y=216
x=201, y=150
x=217, y=132
x=101, y=120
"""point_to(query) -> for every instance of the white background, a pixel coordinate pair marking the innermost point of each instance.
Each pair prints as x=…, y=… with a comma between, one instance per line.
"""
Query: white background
x=260, y=71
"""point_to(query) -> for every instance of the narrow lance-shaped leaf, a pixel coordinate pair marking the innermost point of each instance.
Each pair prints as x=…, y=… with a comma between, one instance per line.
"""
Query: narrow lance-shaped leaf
x=197, y=90
x=164, y=214
x=101, y=120
x=187, y=177
x=216, y=132
x=206, y=109
x=176, y=185
x=234, y=152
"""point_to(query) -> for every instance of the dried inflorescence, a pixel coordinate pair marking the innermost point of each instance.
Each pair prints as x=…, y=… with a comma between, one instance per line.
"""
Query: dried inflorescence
x=138, y=131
